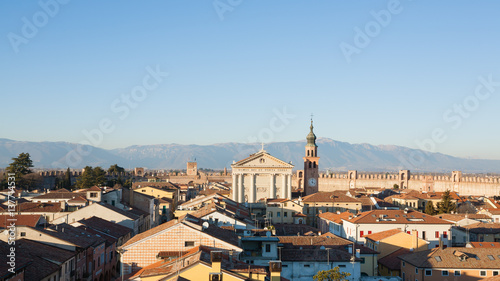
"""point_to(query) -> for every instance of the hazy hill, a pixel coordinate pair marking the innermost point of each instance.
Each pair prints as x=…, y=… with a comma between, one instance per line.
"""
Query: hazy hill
x=335, y=155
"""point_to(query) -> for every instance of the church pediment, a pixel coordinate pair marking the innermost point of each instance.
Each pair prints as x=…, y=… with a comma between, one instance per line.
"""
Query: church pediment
x=261, y=159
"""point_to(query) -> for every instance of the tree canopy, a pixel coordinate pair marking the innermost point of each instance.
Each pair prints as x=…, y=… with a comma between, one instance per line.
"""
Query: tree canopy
x=331, y=275
x=429, y=208
x=20, y=165
x=446, y=206
x=90, y=177
x=116, y=169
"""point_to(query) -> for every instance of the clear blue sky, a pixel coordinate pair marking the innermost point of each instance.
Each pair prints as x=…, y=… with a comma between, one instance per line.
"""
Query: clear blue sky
x=231, y=70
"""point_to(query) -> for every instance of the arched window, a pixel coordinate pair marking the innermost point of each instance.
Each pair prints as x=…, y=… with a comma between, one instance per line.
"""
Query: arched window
x=308, y=153
x=314, y=164
x=309, y=164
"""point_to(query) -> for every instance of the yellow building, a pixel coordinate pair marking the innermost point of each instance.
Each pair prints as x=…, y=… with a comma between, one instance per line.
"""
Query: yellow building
x=391, y=244
x=322, y=202
x=280, y=211
x=201, y=263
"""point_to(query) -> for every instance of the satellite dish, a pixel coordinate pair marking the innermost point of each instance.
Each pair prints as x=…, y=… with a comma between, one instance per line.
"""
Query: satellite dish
x=322, y=247
x=268, y=233
x=205, y=225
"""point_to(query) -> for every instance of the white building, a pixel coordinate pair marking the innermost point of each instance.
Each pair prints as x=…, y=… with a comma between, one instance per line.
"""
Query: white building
x=428, y=228
x=261, y=176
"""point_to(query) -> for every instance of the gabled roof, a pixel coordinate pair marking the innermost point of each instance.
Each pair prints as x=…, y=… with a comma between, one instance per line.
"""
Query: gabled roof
x=396, y=217
x=482, y=228
x=73, y=235
x=94, y=188
x=105, y=226
x=485, y=244
x=455, y=258
x=78, y=199
x=269, y=161
x=332, y=196
x=391, y=261
x=382, y=234
x=337, y=218
x=150, y=232
x=33, y=207
x=26, y=220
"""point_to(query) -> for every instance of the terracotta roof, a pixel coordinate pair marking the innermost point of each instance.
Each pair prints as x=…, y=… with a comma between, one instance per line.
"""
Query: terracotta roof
x=314, y=242
x=475, y=258
x=150, y=232
x=485, y=244
x=78, y=199
x=94, y=188
x=105, y=226
x=60, y=190
x=334, y=196
x=337, y=218
x=26, y=220
x=396, y=217
x=73, y=235
x=299, y=215
x=33, y=207
x=46, y=258
x=22, y=261
x=292, y=229
x=391, y=261
x=382, y=234
x=482, y=228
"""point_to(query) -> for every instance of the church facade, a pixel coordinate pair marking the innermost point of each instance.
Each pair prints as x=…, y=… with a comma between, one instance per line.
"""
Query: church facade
x=261, y=176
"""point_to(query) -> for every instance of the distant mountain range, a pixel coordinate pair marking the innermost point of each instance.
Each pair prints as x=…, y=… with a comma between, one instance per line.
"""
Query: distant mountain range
x=334, y=156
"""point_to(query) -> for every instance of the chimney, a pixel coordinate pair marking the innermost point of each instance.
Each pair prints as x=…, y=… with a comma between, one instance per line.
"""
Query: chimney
x=358, y=253
x=414, y=240
x=275, y=269
x=216, y=259
x=441, y=243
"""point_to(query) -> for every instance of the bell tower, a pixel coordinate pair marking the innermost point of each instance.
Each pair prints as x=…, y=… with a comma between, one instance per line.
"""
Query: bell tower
x=311, y=164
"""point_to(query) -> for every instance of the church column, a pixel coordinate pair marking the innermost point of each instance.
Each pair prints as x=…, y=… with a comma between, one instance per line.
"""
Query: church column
x=289, y=187
x=241, y=195
x=272, y=192
x=284, y=187
x=252, y=196
x=235, y=188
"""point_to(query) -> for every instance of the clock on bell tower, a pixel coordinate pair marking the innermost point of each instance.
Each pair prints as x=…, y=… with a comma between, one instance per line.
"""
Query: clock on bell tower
x=311, y=160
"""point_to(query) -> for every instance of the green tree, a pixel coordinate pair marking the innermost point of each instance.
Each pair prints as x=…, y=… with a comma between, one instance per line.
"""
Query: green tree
x=446, y=206
x=395, y=186
x=116, y=169
x=331, y=275
x=90, y=177
x=429, y=208
x=65, y=181
x=20, y=167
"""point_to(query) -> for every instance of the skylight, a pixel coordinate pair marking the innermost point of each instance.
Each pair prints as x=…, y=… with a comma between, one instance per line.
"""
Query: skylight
x=438, y=258
x=491, y=257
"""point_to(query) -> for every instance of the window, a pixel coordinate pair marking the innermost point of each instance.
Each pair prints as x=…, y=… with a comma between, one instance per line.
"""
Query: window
x=307, y=265
x=285, y=214
x=423, y=235
x=23, y=234
x=445, y=273
x=416, y=270
x=428, y=272
x=93, y=195
x=278, y=214
x=268, y=248
x=491, y=257
x=188, y=243
x=457, y=273
x=437, y=234
x=482, y=273
x=495, y=273
x=445, y=235
x=369, y=232
x=341, y=265
x=361, y=233
x=362, y=260
x=404, y=264
x=404, y=276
